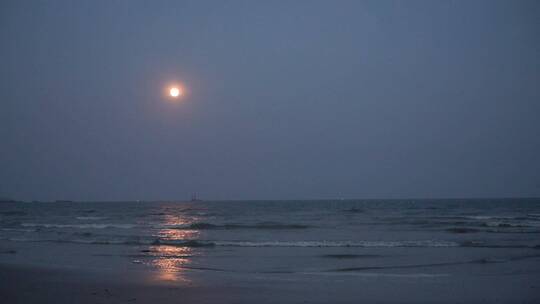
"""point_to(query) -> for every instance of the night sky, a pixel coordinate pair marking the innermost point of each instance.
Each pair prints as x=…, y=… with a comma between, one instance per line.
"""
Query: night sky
x=285, y=99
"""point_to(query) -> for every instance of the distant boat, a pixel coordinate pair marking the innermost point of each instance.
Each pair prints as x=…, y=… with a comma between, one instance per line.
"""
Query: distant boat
x=194, y=198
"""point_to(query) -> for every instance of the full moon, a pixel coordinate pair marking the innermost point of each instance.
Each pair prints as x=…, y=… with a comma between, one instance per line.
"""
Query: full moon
x=175, y=92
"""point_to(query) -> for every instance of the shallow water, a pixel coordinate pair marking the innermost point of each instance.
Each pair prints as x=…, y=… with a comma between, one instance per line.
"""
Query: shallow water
x=363, y=238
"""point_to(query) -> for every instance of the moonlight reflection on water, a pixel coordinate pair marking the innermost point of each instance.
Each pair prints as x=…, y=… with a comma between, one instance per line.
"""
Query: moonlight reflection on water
x=171, y=261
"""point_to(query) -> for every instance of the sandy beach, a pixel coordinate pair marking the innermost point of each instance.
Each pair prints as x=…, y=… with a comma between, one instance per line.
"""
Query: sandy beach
x=38, y=285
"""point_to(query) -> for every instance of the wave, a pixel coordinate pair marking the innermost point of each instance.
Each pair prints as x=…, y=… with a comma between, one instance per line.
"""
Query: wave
x=88, y=211
x=149, y=241
x=376, y=244
x=462, y=230
x=480, y=244
x=500, y=224
x=442, y=264
x=292, y=244
x=378, y=274
x=398, y=266
x=79, y=226
x=13, y=213
x=17, y=230
x=210, y=243
x=530, y=220
x=90, y=218
x=265, y=225
x=354, y=210
x=488, y=217
x=350, y=256
x=185, y=243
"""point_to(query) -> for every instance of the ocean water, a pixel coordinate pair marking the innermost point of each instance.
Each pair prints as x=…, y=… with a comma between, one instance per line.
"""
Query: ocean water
x=302, y=239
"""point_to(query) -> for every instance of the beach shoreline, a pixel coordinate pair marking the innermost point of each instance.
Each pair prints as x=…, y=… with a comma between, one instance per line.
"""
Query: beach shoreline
x=271, y=252
x=33, y=284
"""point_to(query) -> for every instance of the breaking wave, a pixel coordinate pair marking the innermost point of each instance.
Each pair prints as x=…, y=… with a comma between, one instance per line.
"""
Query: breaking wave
x=209, y=243
x=150, y=241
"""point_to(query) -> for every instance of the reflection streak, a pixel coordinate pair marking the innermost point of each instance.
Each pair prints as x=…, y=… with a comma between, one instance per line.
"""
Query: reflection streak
x=171, y=261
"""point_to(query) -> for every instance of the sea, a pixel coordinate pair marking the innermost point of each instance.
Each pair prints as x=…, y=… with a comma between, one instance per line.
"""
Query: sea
x=281, y=240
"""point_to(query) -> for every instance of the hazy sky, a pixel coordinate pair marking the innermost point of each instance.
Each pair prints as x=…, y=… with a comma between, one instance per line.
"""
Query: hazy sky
x=287, y=99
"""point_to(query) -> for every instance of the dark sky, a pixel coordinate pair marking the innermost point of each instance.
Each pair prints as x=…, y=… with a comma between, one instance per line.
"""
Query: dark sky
x=287, y=99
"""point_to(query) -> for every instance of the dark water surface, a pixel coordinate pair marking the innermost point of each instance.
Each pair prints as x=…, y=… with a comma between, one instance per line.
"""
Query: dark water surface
x=301, y=240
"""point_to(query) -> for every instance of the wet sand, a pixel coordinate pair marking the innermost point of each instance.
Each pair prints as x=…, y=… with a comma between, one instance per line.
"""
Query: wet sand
x=23, y=284
x=26, y=284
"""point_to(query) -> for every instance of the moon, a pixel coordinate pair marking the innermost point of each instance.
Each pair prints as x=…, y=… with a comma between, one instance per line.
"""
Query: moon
x=175, y=92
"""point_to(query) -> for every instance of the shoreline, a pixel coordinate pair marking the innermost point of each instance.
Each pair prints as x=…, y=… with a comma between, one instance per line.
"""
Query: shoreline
x=355, y=252
x=34, y=284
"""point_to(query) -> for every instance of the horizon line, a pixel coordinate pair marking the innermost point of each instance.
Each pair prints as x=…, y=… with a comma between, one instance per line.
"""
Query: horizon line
x=274, y=200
